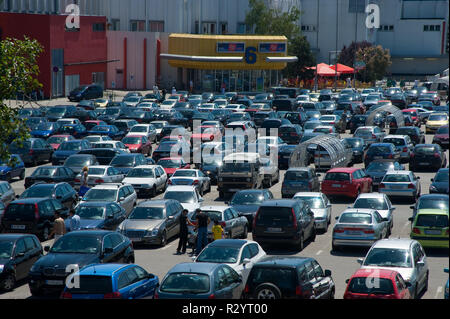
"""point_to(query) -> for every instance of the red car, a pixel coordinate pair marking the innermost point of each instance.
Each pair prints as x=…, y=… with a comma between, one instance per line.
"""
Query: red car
x=170, y=165
x=208, y=133
x=346, y=181
x=56, y=140
x=414, y=116
x=376, y=284
x=138, y=144
x=93, y=123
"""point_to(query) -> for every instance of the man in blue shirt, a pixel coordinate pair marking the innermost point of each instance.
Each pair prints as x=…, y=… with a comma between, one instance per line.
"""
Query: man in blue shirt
x=74, y=221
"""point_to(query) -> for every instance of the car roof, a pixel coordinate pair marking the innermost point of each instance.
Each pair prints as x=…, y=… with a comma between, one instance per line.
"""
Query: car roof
x=437, y=196
x=213, y=207
x=280, y=202
x=155, y=203
x=372, y=195
x=395, y=136
x=109, y=186
x=343, y=170
x=309, y=194
x=380, y=273
x=103, y=269
x=13, y=236
x=401, y=243
x=359, y=210
x=95, y=204
x=180, y=188
x=302, y=169
x=203, y=268
x=393, y=172
x=234, y=243
x=286, y=261
x=433, y=211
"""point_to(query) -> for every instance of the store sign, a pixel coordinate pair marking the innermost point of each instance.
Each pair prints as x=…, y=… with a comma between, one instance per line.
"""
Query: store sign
x=230, y=47
x=266, y=47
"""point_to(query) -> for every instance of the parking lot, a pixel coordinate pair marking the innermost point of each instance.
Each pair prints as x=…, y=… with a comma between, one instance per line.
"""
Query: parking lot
x=343, y=264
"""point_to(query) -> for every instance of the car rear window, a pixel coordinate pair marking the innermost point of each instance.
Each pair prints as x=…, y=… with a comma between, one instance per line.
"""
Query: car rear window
x=440, y=221
x=295, y=175
x=186, y=282
x=92, y=285
x=426, y=150
x=396, y=178
x=379, y=150
x=356, y=218
x=281, y=216
x=282, y=278
x=24, y=212
x=337, y=177
x=359, y=285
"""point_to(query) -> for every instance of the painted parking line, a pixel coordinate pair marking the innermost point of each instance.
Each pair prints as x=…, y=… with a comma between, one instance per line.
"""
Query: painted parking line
x=167, y=246
x=438, y=292
x=319, y=252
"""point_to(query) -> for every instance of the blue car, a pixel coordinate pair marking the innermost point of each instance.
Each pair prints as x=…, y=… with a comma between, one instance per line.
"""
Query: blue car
x=109, y=130
x=381, y=152
x=76, y=130
x=201, y=281
x=16, y=170
x=68, y=148
x=113, y=281
x=446, y=285
x=46, y=129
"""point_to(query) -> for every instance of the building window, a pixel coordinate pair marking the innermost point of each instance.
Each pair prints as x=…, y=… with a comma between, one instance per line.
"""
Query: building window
x=208, y=28
x=137, y=25
x=243, y=28
x=308, y=28
x=386, y=28
x=98, y=27
x=432, y=27
x=356, y=6
x=223, y=28
x=156, y=26
x=115, y=24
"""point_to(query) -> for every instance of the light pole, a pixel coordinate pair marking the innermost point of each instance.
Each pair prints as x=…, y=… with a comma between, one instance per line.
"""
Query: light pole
x=337, y=34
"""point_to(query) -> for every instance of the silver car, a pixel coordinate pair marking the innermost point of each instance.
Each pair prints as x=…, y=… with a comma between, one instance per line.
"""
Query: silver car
x=370, y=134
x=403, y=144
x=7, y=193
x=321, y=207
x=405, y=256
x=358, y=227
x=124, y=195
x=400, y=184
x=193, y=177
x=76, y=162
x=100, y=174
x=153, y=222
x=379, y=202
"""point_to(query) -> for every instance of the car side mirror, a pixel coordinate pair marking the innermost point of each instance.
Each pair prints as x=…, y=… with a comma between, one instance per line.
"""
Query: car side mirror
x=170, y=217
x=47, y=248
x=421, y=263
x=418, y=177
x=327, y=273
x=412, y=207
x=193, y=258
x=201, y=199
x=393, y=208
x=360, y=260
x=17, y=196
x=337, y=217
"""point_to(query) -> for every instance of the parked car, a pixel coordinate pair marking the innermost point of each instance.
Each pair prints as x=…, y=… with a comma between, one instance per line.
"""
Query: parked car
x=126, y=162
x=76, y=162
x=68, y=148
x=11, y=168
x=18, y=252
x=147, y=179
x=197, y=281
x=403, y=144
x=427, y=156
x=370, y=134
x=188, y=196
x=441, y=137
x=82, y=248
x=171, y=165
x=358, y=148
x=124, y=195
x=284, y=155
x=45, y=129
x=320, y=206
x=86, y=92
x=191, y=177
x=285, y=277
x=108, y=130
x=50, y=174
x=380, y=203
x=430, y=202
x=98, y=215
x=56, y=140
x=390, y=285
x=284, y=221
x=380, y=152
x=299, y=179
x=100, y=174
x=147, y=130
x=349, y=182
x=414, y=133
x=138, y=144
x=405, y=256
x=7, y=193
x=32, y=151
x=32, y=216
x=247, y=202
x=430, y=228
x=62, y=192
x=290, y=133
x=435, y=121
x=153, y=222
x=400, y=184
x=97, y=138
x=440, y=182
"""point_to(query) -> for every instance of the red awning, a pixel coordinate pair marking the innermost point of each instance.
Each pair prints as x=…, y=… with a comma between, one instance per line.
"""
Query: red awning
x=342, y=68
x=323, y=69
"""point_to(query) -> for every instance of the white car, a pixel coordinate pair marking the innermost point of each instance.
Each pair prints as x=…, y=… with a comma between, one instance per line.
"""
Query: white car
x=111, y=144
x=168, y=104
x=100, y=174
x=240, y=255
x=303, y=98
x=188, y=196
x=400, y=184
x=97, y=138
x=221, y=102
x=206, y=107
x=122, y=194
x=274, y=142
x=236, y=107
x=320, y=205
x=193, y=177
x=147, y=130
x=68, y=121
x=403, y=255
x=147, y=179
x=159, y=125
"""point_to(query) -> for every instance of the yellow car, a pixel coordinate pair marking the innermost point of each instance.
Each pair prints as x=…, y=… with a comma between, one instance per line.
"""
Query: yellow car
x=430, y=228
x=101, y=102
x=435, y=121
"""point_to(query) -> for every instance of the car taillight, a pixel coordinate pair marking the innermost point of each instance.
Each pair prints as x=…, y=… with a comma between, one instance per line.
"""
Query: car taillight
x=416, y=230
x=338, y=230
x=332, y=123
x=77, y=180
x=211, y=137
x=369, y=231
x=446, y=232
x=381, y=186
x=155, y=295
x=374, y=136
x=223, y=224
x=412, y=155
x=169, y=182
x=66, y=295
x=436, y=155
x=410, y=185
x=99, y=181
x=254, y=219
x=211, y=296
x=36, y=211
x=195, y=182
x=246, y=289
x=294, y=219
x=405, y=149
x=30, y=152
x=294, y=134
x=112, y=295
x=298, y=291
x=390, y=156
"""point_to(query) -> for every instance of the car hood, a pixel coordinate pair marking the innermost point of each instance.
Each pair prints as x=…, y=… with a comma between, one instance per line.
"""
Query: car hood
x=133, y=146
x=57, y=260
x=246, y=209
x=138, y=180
x=91, y=223
x=123, y=170
x=376, y=173
x=141, y=224
x=55, y=146
x=64, y=153
x=190, y=207
x=4, y=261
x=407, y=273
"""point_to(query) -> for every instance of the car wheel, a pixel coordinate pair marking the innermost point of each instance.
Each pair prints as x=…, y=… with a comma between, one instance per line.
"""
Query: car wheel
x=335, y=247
x=22, y=175
x=209, y=188
x=8, y=177
x=301, y=244
x=36, y=292
x=221, y=194
x=425, y=287
x=153, y=193
x=267, y=291
x=416, y=292
x=164, y=239
x=34, y=162
x=45, y=233
x=8, y=283
x=314, y=233
x=331, y=296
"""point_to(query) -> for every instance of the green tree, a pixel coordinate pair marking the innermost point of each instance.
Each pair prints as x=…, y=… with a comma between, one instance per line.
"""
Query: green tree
x=377, y=60
x=18, y=74
x=347, y=54
x=299, y=47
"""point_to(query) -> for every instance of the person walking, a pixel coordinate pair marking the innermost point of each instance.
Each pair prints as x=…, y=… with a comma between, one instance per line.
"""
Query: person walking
x=217, y=230
x=184, y=222
x=59, y=227
x=74, y=221
x=84, y=181
x=174, y=90
x=203, y=221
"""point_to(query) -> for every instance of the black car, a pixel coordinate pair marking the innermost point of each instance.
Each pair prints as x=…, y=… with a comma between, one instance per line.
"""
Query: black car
x=87, y=105
x=284, y=154
x=358, y=147
x=273, y=124
x=290, y=133
x=260, y=116
x=86, y=92
x=18, y=252
x=377, y=169
x=124, y=125
x=176, y=118
x=125, y=162
x=283, y=277
x=112, y=113
x=165, y=148
x=298, y=117
x=284, y=222
x=32, y=216
x=381, y=151
x=299, y=179
x=201, y=117
x=81, y=248
x=440, y=182
x=427, y=156
x=417, y=136
x=85, y=115
x=60, y=111
x=51, y=174
x=221, y=115
x=357, y=121
x=33, y=151
x=62, y=192
x=399, y=100
x=104, y=155
x=139, y=116
x=247, y=202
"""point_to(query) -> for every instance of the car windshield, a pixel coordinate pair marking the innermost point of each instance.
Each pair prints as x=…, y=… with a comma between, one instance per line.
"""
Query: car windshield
x=56, y=139
x=227, y=255
x=44, y=171
x=395, y=141
x=191, y=283
x=139, y=129
x=432, y=203
x=312, y=201
x=396, y=178
x=147, y=213
x=104, y=195
x=337, y=177
x=182, y=197
x=442, y=130
x=311, y=125
x=372, y=203
x=122, y=161
x=96, y=171
x=388, y=257
x=243, y=198
x=77, y=245
x=169, y=163
x=56, y=111
x=359, y=285
x=131, y=140
x=77, y=161
x=40, y=191
x=141, y=172
x=438, y=221
x=437, y=118
x=100, y=128
x=180, y=173
x=45, y=126
x=236, y=167
x=6, y=248
x=379, y=166
x=167, y=146
x=86, y=212
x=70, y=147
x=355, y=218
x=441, y=177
